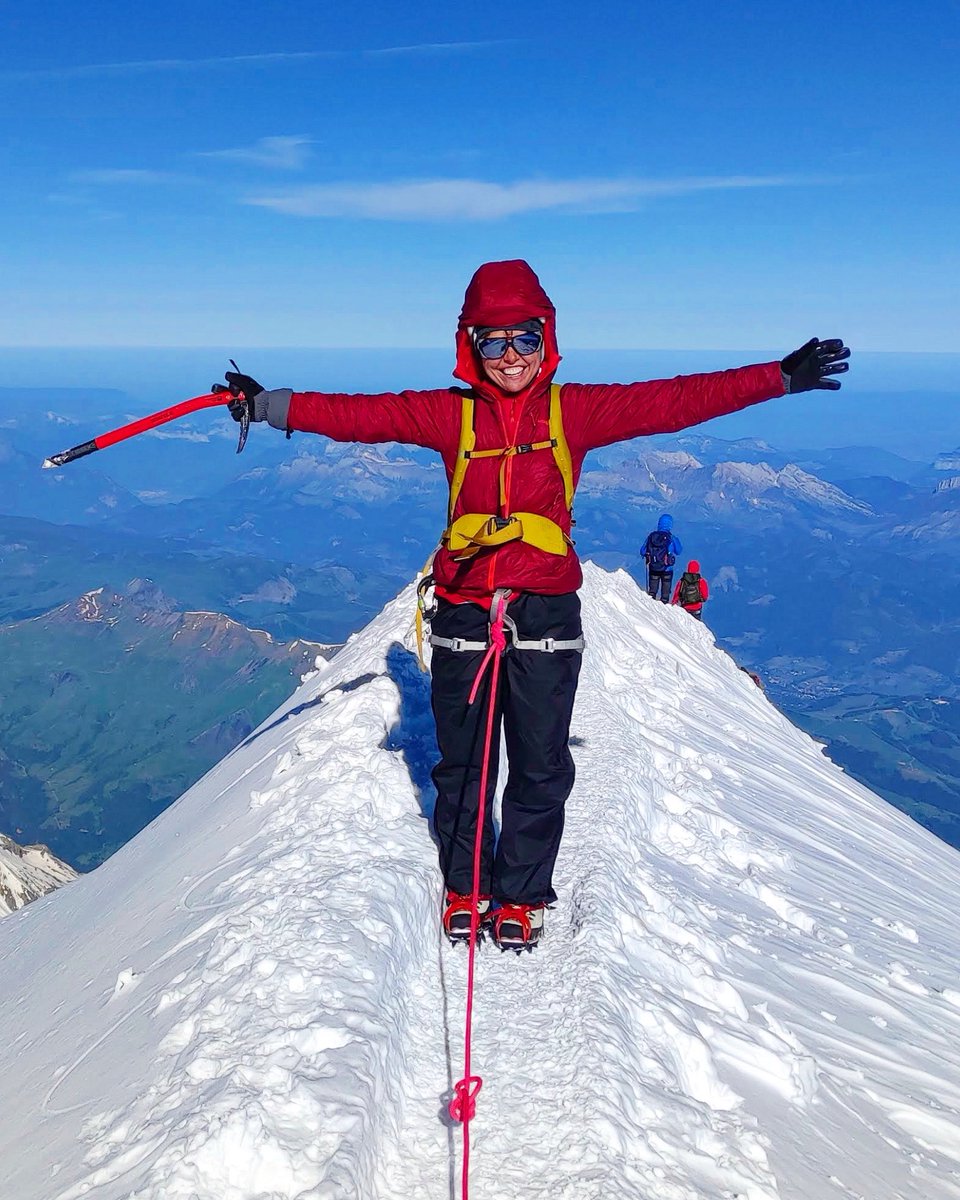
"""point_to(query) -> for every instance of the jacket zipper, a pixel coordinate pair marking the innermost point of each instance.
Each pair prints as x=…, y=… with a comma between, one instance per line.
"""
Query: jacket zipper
x=507, y=468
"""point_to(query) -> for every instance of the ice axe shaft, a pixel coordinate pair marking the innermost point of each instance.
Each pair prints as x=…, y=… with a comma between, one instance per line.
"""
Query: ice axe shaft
x=210, y=400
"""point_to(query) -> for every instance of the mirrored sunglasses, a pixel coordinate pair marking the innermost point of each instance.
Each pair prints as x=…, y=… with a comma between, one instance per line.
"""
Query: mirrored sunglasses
x=496, y=347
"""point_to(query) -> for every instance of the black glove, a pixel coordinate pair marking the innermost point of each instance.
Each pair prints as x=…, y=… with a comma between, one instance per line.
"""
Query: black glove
x=244, y=389
x=810, y=366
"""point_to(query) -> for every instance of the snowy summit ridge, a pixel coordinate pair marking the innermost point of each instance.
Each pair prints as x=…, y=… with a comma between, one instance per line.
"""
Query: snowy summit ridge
x=748, y=988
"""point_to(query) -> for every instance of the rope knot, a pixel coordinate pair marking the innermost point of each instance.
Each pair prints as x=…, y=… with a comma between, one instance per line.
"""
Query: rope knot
x=463, y=1106
x=498, y=642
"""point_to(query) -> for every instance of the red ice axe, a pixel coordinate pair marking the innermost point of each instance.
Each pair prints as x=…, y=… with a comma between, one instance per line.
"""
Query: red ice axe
x=218, y=394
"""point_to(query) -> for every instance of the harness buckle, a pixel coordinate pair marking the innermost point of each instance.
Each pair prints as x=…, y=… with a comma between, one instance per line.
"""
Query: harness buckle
x=501, y=522
x=524, y=448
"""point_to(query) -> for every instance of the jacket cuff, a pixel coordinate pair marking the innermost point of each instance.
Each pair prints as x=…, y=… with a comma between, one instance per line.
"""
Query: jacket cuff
x=277, y=406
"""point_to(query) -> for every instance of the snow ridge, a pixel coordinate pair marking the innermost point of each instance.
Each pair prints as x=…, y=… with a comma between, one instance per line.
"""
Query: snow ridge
x=747, y=988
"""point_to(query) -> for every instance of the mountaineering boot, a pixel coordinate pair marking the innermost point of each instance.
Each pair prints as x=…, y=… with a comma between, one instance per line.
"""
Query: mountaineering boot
x=518, y=926
x=456, y=915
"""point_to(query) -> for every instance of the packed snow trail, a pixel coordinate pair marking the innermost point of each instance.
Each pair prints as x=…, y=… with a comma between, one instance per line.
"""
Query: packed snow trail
x=747, y=989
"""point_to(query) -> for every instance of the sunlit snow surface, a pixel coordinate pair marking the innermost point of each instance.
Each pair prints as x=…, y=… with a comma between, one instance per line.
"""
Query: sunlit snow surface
x=749, y=987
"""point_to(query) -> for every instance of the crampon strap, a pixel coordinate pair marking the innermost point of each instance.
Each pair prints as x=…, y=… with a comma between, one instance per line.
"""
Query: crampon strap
x=518, y=913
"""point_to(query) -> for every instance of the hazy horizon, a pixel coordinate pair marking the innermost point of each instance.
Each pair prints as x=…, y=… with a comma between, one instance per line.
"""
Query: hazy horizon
x=904, y=402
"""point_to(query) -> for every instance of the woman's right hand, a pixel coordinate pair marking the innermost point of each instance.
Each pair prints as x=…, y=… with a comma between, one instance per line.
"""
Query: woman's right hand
x=245, y=390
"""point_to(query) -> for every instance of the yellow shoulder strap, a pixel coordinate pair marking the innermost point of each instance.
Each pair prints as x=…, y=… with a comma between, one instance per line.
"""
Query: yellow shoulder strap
x=561, y=451
x=468, y=439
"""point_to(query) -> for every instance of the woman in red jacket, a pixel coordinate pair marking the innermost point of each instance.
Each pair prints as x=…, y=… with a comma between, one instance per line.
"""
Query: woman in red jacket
x=513, y=463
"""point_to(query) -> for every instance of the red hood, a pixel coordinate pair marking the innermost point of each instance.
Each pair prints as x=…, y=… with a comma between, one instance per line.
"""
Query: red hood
x=693, y=567
x=499, y=295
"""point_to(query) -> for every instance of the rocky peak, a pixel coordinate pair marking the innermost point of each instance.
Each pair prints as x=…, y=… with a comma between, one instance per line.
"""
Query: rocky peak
x=149, y=596
x=28, y=872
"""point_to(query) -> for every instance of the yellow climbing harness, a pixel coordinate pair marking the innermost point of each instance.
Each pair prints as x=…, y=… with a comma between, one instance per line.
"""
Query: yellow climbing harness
x=473, y=532
x=470, y=533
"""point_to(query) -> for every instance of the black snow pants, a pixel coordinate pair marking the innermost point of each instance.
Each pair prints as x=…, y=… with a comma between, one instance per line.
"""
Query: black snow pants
x=659, y=584
x=535, y=699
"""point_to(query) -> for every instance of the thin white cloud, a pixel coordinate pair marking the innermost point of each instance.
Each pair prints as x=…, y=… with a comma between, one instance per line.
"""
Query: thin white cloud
x=179, y=435
x=438, y=47
x=145, y=66
x=123, y=175
x=288, y=153
x=476, y=200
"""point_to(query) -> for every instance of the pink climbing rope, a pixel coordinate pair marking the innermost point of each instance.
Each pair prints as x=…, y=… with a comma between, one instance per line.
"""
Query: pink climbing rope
x=463, y=1106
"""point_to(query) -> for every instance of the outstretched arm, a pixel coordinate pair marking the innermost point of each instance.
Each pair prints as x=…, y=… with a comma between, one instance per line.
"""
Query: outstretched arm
x=604, y=413
x=416, y=418
x=600, y=414
x=412, y=417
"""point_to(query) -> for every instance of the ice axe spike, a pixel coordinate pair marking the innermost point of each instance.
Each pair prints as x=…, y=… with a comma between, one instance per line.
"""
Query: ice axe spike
x=218, y=395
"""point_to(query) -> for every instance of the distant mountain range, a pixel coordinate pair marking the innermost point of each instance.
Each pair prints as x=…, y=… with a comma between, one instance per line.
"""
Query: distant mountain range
x=367, y=507
x=679, y=478
x=114, y=703
x=45, y=565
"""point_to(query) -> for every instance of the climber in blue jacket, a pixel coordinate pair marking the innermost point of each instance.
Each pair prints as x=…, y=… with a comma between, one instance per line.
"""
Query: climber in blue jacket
x=660, y=552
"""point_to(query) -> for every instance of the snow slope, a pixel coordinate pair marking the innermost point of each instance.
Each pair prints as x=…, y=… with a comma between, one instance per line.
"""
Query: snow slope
x=748, y=989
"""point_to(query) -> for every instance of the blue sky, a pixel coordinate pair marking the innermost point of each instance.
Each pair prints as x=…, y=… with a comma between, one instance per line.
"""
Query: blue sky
x=689, y=175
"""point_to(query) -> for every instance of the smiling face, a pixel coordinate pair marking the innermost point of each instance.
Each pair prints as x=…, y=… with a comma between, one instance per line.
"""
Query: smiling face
x=513, y=372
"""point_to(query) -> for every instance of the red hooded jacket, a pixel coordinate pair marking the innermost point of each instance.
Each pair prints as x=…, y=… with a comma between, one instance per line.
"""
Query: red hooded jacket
x=694, y=568
x=502, y=294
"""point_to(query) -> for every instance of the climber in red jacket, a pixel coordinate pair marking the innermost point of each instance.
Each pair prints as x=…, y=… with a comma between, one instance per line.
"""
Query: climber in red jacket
x=513, y=445
x=692, y=590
